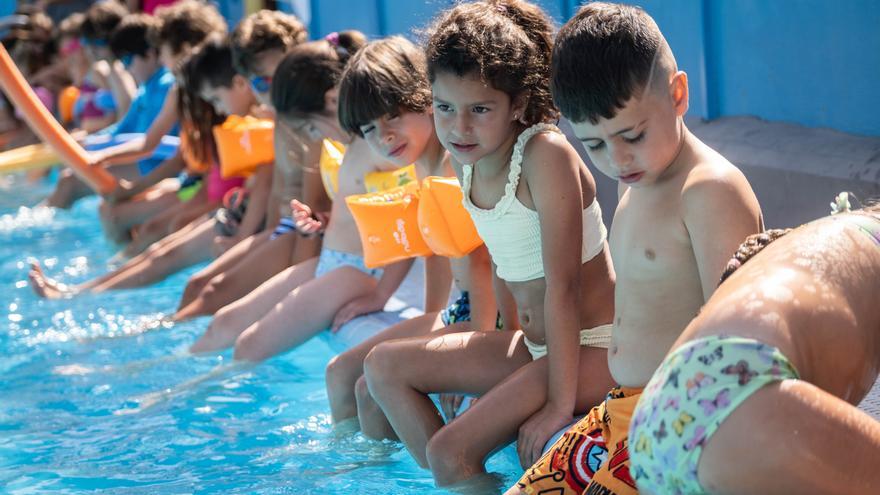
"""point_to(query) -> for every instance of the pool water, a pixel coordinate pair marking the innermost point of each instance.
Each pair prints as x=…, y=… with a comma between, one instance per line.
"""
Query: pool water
x=93, y=398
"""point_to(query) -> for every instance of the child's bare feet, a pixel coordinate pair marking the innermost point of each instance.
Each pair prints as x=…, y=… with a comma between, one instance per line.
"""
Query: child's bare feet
x=45, y=286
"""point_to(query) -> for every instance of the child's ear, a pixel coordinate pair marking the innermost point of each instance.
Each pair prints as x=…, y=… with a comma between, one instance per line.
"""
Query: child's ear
x=678, y=91
x=239, y=81
x=520, y=103
x=331, y=100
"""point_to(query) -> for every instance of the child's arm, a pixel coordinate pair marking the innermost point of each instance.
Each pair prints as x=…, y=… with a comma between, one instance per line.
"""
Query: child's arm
x=137, y=149
x=484, y=308
x=438, y=282
x=392, y=277
x=719, y=211
x=551, y=170
x=126, y=190
x=122, y=86
x=258, y=199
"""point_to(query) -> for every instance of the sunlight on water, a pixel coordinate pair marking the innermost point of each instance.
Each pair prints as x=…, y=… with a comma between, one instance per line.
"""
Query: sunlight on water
x=100, y=394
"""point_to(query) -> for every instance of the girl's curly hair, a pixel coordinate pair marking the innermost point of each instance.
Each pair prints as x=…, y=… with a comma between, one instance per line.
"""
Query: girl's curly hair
x=506, y=42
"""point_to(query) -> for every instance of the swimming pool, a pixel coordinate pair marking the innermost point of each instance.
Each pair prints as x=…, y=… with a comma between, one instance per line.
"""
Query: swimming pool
x=91, y=400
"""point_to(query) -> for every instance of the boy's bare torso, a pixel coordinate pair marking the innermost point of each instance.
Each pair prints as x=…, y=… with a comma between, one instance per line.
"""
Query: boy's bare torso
x=659, y=289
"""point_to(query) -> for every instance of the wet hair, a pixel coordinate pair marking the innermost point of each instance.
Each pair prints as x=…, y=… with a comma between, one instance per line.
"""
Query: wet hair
x=188, y=22
x=32, y=43
x=311, y=69
x=507, y=43
x=603, y=56
x=263, y=31
x=132, y=35
x=71, y=26
x=101, y=19
x=385, y=78
x=210, y=63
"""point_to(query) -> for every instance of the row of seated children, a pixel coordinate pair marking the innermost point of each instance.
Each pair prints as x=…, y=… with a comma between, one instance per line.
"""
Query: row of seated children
x=483, y=96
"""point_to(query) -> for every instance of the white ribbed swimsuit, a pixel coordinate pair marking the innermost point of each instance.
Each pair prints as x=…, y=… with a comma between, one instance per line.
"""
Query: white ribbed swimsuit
x=512, y=232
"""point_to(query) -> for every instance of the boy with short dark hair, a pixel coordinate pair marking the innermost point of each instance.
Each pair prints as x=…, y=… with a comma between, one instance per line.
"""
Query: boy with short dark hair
x=683, y=210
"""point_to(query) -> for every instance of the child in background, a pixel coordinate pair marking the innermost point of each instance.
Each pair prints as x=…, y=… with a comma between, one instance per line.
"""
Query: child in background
x=102, y=19
x=533, y=201
x=94, y=108
x=256, y=44
x=208, y=72
x=335, y=286
x=773, y=365
x=183, y=27
x=385, y=97
x=683, y=210
x=129, y=45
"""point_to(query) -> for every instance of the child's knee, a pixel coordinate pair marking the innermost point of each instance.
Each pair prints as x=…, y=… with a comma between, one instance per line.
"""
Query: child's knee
x=341, y=371
x=379, y=366
x=365, y=400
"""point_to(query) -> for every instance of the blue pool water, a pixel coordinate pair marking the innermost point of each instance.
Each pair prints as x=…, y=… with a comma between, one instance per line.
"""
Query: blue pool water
x=90, y=401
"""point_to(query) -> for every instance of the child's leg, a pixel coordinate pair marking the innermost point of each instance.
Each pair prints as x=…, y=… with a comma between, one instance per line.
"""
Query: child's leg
x=119, y=218
x=186, y=250
x=458, y=450
x=401, y=374
x=68, y=189
x=809, y=442
x=227, y=260
x=303, y=313
x=165, y=223
x=256, y=266
x=344, y=370
x=234, y=318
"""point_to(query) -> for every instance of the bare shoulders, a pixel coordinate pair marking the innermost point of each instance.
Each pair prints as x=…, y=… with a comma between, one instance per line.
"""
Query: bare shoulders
x=551, y=151
x=713, y=180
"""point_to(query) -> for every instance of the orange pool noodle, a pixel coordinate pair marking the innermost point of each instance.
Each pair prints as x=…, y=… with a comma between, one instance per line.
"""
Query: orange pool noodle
x=446, y=226
x=388, y=225
x=66, y=101
x=243, y=144
x=48, y=129
x=331, y=159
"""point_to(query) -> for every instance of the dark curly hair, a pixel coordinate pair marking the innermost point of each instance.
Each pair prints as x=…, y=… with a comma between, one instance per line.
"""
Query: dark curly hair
x=309, y=70
x=188, y=22
x=386, y=77
x=506, y=42
x=262, y=31
x=753, y=245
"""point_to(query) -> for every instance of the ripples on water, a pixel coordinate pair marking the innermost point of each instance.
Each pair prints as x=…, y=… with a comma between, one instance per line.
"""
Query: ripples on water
x=94, y=395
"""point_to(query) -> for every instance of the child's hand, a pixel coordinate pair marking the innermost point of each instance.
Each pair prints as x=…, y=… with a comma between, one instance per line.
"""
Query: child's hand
x=356, y=307
x=450, y=404
x=534, y=433
x=307, y=223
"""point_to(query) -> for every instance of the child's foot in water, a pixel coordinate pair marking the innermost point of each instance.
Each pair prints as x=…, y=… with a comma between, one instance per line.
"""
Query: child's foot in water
x=45, y=286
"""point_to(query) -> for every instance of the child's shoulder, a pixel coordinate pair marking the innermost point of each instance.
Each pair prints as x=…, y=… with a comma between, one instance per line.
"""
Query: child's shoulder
x=713, y=183
x=549, y=147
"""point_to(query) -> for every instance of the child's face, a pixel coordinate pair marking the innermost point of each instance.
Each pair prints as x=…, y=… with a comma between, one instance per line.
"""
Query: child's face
x=401, y=139
x=237, y=99
x=473, y=120
x=639, y=143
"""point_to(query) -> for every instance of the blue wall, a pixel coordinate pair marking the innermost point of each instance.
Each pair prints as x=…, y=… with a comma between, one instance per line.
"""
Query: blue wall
x=810, y=62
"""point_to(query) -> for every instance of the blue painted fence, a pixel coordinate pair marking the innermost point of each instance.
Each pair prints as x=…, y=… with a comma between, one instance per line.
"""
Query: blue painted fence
x=811, y=62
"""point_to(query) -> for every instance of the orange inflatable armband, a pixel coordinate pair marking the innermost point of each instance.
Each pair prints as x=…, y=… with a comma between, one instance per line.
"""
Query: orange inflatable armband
x=48, y=129
x=243, y=144
x=331, y=159
x=388, y=225
x=446, y=226
x=381, y=181
x=66, y=101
